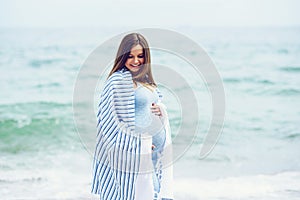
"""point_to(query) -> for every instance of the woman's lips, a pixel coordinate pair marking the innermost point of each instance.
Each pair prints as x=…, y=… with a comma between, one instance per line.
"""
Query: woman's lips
x=135, y=65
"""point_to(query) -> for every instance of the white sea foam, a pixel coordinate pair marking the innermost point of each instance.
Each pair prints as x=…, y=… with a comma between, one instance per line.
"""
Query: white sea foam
x=284, y=185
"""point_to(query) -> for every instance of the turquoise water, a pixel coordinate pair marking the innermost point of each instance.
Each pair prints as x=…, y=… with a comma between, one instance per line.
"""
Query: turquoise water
x=256, y=157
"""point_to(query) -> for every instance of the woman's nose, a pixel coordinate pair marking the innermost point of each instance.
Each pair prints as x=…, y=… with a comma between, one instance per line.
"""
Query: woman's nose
x=136, y=60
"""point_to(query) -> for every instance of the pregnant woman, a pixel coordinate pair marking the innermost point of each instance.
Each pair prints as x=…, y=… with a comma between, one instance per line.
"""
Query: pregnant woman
x=133, y=151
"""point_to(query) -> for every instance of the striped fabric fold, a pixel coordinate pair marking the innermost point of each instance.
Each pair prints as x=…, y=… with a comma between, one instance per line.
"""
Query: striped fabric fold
x=117, y=151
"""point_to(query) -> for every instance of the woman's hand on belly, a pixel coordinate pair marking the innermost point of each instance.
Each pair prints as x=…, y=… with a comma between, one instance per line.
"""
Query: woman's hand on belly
x=153, y=147
x=156, y=109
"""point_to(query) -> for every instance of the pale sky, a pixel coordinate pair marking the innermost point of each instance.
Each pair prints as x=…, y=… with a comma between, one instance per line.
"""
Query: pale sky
x=158, y=13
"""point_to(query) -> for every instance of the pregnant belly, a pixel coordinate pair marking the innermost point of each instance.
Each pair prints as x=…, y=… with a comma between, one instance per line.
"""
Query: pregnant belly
x=148, y=122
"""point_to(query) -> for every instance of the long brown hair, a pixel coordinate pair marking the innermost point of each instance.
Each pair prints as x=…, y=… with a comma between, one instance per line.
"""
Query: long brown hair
x=127, y=43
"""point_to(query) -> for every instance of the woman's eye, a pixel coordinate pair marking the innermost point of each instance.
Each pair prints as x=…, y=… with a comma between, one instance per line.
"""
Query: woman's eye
x=141, y=56
x=130, y=56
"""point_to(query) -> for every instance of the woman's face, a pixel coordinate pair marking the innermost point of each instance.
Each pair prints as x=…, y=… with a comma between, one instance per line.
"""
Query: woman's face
x=135, y=58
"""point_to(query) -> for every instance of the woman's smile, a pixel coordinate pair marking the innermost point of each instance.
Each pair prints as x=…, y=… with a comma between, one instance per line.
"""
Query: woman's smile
x=137, y=65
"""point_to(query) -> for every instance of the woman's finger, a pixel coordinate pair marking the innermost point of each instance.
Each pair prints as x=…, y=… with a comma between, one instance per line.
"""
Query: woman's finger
x=153, y=146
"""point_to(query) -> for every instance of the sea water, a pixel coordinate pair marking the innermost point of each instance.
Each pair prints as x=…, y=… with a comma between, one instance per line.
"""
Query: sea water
x=257, y=156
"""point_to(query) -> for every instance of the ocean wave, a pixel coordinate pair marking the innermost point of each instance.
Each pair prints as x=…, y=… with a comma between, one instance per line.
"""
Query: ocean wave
x=248, y=80
x=25, y=112
x=291, y=69
x=41, y=62
x=283, y=51
x=28, y=125
x=48, y=85
x=273, y=91
x=29, y=179
x=35, y=126
x=288, y=91
x=231, y=80
x=38, y=135
x=28, y=106
x=293, y=136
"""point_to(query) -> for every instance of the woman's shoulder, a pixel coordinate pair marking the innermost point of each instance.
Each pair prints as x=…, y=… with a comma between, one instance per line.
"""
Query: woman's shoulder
x=119, y=75
x=115, y=76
